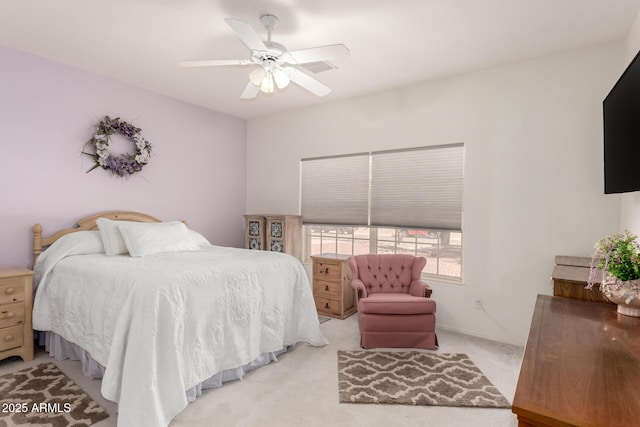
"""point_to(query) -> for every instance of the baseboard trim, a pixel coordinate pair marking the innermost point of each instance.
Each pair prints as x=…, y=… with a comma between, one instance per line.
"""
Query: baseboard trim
x=477, y=335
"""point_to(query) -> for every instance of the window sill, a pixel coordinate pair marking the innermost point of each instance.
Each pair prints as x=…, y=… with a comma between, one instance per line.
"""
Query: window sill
x=429, y=278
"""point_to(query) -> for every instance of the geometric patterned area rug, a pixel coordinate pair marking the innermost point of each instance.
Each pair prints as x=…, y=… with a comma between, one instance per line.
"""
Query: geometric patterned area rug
x=44, y=395
x=415, y=378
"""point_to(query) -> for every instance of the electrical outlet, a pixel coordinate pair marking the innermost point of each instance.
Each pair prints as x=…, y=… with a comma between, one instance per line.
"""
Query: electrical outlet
x=478, y=304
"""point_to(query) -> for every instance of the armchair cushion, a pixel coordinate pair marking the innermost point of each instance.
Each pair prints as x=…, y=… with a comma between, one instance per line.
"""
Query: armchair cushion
x=396, y=303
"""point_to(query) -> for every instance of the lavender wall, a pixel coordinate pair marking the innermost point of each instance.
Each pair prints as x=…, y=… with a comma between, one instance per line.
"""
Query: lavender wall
x=47, y=113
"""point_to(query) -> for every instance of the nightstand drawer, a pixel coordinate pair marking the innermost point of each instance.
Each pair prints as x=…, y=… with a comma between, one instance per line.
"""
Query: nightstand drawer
x=326, y=288
x=11, y=314
x=328, y=306
x=11, y=337
x=326, y=269
x=11, y=290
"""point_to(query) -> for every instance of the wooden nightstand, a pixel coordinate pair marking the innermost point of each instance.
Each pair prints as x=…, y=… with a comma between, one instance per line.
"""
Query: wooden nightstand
x=332, y=289
x=16, y=299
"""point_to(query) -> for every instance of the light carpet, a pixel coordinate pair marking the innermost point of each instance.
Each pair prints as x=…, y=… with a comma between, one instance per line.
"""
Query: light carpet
x=44, y=395
x=323, y=319
x=414, y=378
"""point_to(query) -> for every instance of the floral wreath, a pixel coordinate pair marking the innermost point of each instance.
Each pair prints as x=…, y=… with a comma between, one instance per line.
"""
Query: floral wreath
x=126, y=164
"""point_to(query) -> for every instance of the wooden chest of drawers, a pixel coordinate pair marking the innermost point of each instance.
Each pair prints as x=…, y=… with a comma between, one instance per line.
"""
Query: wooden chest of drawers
x=16, y=299
x=581, y=366
x=332, y=289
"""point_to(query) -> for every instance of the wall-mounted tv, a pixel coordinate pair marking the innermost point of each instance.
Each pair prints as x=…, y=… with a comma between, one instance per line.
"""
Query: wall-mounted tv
x=622, y=132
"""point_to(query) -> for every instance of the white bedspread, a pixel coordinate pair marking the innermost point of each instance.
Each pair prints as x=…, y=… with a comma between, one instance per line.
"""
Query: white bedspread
x=164, y=323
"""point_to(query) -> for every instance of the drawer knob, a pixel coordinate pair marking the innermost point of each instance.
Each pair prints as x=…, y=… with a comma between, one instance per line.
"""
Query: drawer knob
x=8, y=337
x=9, y=315
x=326, y=288
x=326, y=305
x=9, y=291
x=326, y=270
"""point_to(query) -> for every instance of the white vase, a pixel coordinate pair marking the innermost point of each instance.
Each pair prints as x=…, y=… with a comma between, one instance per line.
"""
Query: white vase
x=625, y=294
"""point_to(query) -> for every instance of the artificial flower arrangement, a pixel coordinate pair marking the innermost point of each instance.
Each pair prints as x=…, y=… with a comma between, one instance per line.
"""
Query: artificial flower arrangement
x=618, y=256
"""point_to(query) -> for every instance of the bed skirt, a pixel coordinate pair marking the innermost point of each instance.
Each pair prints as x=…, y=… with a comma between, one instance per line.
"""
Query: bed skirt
x=61, y=349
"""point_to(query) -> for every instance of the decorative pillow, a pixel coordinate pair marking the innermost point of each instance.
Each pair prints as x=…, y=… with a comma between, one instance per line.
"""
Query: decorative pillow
x=143, y=239
x=111, y=236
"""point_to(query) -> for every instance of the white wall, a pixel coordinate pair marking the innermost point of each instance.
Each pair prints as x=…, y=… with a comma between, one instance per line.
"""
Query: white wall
x=533, y=135
x=630, y=202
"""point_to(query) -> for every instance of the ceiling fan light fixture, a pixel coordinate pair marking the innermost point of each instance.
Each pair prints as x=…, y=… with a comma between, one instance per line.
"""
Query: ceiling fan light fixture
x=281, y=77
x=267, y=83
x=257, y=76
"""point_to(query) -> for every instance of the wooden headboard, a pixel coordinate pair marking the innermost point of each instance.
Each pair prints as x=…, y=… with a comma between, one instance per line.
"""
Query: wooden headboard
x=87, y=224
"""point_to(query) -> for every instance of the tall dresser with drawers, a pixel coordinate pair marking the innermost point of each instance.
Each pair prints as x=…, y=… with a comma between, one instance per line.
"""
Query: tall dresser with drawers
x=16, y=299
x=278, y=233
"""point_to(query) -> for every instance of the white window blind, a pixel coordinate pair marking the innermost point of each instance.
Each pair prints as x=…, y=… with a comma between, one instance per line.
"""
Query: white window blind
x=335, y=190
x=420, y=187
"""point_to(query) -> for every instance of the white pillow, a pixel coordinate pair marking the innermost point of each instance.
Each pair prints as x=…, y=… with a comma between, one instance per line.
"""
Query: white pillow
x=198, y=238
x=143, y=239
x=111, y=236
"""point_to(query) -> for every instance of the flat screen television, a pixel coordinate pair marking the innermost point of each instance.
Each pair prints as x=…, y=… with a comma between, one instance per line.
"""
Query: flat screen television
x=621, y=109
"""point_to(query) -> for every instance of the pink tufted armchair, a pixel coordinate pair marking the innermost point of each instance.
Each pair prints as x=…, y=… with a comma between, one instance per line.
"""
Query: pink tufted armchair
x=394, y=304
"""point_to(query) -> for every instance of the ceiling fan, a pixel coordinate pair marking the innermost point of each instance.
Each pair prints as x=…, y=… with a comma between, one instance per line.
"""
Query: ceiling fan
x=273, y=59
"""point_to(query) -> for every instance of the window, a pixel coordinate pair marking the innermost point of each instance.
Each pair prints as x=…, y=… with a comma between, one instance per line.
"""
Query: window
x=401, y=201
x=443, y=249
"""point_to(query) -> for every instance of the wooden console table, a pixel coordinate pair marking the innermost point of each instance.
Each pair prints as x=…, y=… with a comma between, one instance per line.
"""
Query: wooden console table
x=581, y=366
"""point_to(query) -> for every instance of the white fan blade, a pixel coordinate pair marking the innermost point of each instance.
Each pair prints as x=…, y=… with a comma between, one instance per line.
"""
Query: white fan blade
x=307, y=82
x=246, y=34
x=214, y=62
x=250, y=92
x=320, y=53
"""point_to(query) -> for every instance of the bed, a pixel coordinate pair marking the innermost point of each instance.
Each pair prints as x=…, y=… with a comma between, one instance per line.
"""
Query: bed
x=172, y=316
